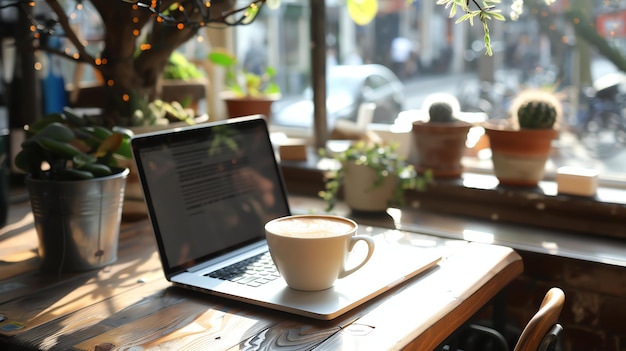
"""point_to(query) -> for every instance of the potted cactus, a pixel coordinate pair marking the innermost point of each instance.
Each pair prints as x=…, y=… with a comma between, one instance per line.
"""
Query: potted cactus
x=522, y=144
x=440, y=141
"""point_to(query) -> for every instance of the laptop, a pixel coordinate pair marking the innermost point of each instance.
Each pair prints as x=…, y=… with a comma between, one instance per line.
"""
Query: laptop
x=210, y=189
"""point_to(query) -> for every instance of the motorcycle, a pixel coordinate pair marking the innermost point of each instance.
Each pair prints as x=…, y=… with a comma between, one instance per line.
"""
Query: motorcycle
x=601, y=125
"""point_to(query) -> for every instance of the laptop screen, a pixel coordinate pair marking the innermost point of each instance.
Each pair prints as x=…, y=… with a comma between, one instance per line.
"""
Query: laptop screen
x=209, y=188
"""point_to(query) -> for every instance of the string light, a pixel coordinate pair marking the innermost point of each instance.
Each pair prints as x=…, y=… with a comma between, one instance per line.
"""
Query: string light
x=198, y=10
x=194, y=15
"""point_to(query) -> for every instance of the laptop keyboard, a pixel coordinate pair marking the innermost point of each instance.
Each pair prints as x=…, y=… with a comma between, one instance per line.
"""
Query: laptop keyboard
x=254, y=271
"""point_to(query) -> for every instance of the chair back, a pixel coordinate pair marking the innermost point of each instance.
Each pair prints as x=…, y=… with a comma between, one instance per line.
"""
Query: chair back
x=542, y=322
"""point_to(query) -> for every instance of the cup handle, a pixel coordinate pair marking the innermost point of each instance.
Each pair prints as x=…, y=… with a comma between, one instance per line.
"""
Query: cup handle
x=370, y=250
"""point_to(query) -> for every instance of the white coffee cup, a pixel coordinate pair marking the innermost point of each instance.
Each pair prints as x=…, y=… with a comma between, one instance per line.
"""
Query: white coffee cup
x=311, y=251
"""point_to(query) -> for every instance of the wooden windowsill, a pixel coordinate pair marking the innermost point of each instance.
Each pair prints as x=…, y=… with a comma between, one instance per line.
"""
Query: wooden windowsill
x=479, y=196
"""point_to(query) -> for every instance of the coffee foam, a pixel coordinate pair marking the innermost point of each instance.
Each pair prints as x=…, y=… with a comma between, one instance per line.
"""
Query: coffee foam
x=318, y=227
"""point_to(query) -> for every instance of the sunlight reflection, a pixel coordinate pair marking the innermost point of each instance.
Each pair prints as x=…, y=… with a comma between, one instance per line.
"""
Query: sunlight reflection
x=455, y=243
x=482, y=237
x=394, y=235
x=423, y=242
x=20, y=256
x=26, y=220
x=395, y=213
x=327, y=164
x=49, y=342
x=551, y=246
x=193, y=328
x=473, y=136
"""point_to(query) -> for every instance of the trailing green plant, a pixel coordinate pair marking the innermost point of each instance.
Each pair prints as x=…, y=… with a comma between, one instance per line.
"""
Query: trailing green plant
x=242, y=82
x=441, y=112
x=536, y=115
x=384, y=160
x=178, y=67
x=64, y=146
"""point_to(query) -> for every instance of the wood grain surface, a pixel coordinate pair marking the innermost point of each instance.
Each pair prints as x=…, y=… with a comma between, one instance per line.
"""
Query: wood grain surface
x=130, y=306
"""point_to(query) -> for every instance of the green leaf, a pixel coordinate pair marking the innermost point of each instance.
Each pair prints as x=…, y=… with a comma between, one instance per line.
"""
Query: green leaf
x=74, y=119
x=44, y=122
x=29, y=159
x=222, y=58
x=124, y=150
x=60, y=149
x=110, y=145
x=98, y=170
x=73, y=174
x=58, y=132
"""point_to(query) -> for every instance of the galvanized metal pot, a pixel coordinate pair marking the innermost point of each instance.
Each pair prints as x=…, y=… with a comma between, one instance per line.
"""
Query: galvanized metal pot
x=77, y=222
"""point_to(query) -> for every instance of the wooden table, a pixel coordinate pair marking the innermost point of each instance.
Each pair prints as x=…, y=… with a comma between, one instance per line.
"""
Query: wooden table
x=130, y=306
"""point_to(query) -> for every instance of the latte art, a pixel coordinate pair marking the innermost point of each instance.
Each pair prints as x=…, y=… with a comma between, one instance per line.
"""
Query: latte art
x=311, y=227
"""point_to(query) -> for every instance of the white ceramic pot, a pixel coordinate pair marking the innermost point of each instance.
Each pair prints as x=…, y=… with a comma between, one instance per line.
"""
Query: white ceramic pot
x=359, y=193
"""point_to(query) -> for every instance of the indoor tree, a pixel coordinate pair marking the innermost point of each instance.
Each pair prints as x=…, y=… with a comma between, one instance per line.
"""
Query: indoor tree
x=138, y=38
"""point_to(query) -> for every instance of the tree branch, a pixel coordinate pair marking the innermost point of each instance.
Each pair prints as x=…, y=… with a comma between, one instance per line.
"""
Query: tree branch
x=70, y=34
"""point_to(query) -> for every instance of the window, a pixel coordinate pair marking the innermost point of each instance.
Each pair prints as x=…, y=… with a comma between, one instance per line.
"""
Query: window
x=540, y=49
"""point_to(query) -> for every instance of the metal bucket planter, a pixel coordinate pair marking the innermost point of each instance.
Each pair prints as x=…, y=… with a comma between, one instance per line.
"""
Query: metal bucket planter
x=77, y=222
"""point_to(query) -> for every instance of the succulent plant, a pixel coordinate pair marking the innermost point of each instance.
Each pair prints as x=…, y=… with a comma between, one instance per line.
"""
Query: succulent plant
x=440, y=112
x=242, y=82
x=536, y=115
x=64, y=146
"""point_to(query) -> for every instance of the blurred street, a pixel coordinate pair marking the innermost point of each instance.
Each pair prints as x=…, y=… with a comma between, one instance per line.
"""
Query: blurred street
x=568, y=151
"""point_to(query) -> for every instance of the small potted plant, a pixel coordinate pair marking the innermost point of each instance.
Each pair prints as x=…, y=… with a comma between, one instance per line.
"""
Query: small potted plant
x=248, y=92
x=440, y=141
x=373, y=177
x=76, y=190
x=183, y=83
x=522, y=144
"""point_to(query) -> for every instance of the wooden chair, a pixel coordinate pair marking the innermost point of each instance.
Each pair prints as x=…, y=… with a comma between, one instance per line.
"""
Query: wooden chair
x=544, y=323
x=540, y=333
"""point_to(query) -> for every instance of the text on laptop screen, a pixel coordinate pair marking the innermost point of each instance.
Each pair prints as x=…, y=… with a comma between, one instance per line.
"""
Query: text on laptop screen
x=211, y=190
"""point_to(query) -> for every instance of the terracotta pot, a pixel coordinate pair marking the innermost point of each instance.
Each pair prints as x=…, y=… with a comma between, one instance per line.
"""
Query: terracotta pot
x=246, y=106
x=519, y=156
x=440, y=147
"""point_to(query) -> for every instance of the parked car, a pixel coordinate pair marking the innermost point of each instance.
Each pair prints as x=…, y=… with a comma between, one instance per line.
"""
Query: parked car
x=348, y=86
